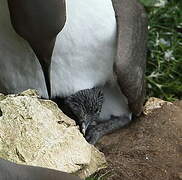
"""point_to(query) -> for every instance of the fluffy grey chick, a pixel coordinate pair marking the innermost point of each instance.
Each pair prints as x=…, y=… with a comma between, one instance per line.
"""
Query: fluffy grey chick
x=86, y=105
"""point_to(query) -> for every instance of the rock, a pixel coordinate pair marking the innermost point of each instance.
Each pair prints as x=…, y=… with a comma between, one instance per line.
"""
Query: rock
x=35, y=132
x=149, y=148
x=154, y=103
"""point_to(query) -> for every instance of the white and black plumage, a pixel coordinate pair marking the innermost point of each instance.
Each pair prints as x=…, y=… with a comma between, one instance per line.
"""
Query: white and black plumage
x=92, y=45
x=95, y=41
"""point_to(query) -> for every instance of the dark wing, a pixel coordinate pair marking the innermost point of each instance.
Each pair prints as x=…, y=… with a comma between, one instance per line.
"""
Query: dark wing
x=39, y=22
x=131, y=51
x=12, y=171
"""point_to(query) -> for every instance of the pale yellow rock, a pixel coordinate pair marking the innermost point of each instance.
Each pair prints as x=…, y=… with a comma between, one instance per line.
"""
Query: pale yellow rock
x=154, y=103
x=30, y=134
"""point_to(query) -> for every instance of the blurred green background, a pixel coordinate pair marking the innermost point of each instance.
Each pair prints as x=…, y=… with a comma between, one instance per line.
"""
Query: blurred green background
x=164, y=51
x=164, y=58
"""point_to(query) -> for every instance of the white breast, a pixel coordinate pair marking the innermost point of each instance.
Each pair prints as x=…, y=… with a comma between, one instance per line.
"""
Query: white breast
x=85, y=49
x=83, y=55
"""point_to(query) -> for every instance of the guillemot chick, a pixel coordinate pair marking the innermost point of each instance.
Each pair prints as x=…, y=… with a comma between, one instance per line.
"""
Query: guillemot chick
x=86, y=105
x=87, y=108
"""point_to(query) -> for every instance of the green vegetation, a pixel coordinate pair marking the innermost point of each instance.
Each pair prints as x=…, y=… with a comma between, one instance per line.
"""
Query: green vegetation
x=164, y=66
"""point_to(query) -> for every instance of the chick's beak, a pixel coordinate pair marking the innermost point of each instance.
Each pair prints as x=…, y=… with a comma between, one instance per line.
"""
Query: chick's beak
x=86, y=121
x=84, y=126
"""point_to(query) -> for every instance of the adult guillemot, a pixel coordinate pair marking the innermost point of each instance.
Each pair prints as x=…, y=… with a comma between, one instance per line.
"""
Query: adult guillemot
x=101, y=44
